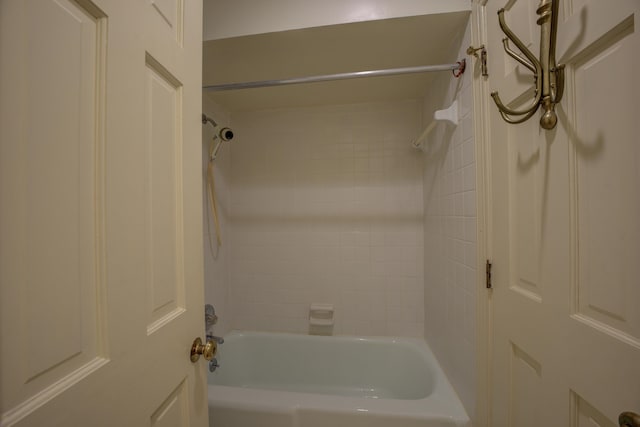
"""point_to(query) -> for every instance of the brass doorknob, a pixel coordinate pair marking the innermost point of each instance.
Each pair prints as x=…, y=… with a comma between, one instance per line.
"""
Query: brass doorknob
x=208, y=350
x=629, y=419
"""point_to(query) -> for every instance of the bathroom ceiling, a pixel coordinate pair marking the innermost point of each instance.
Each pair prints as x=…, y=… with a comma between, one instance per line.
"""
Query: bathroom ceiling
x=372, y=45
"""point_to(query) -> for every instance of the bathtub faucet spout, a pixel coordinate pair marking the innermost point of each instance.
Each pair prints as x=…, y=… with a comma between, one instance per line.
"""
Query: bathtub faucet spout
x=213, y=365
x=218, y=340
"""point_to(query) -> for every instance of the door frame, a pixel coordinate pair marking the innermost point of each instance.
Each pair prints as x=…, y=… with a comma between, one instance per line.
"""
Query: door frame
x=484, y=313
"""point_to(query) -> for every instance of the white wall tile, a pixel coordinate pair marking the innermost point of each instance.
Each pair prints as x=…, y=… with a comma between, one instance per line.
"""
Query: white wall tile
x=449, y=183
x=326, y=206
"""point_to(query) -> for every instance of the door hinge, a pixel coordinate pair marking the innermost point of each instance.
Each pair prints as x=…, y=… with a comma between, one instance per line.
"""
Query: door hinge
x=473, y=51
x=488, y=273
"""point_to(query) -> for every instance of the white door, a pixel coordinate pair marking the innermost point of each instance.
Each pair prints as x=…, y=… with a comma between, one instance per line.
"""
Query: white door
x=100, y=184
x=565, y=221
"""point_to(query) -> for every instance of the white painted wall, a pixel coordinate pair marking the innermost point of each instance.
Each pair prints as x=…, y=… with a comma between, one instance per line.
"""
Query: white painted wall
x=233, y=18
x=450, y=232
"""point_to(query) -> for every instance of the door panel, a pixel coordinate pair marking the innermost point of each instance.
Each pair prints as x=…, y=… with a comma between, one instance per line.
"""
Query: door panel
x=163, y=140
x=101, y=251
x=169, y=18
x=526, y=184
x=526, y=388
x=566, y=225
x=603, y=322
x=51, y=252
x=583, y=414
x=174, y=411
x=606, y=184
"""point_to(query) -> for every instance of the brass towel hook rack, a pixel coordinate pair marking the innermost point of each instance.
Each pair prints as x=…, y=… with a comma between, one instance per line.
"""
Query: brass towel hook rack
x=549, y=77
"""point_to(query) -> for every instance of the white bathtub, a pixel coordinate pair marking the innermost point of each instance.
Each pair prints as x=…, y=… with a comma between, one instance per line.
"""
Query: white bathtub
x=278, y=380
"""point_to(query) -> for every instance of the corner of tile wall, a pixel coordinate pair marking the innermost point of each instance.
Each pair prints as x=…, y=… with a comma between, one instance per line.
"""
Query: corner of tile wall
x=449, y=183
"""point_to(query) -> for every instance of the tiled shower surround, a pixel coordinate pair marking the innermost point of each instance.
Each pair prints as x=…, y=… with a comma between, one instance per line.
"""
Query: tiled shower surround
x=326, y=206
x=332, y=205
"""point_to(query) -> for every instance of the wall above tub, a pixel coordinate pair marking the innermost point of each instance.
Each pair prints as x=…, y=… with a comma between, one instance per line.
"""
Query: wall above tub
x=371, y=45
x=234, y=18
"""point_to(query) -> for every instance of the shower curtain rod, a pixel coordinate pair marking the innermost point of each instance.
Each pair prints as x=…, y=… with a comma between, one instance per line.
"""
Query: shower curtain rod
x=459, y=66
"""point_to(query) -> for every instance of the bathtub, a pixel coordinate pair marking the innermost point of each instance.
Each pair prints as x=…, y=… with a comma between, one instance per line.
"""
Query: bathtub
x=288, y=380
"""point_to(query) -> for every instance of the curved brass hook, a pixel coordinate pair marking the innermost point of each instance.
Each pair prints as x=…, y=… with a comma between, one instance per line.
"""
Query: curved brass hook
x=506, y=110
x=557, y=86
x=514, y=55
x=522, y=119
x=549, y=77
x=557, y=89
x=511, y=35
x=533, y=61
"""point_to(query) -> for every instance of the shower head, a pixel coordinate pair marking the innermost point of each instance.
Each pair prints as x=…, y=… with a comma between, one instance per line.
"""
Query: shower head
x=224, y=133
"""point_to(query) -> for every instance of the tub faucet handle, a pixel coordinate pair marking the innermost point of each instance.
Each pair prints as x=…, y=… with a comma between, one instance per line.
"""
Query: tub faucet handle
x=213, y=364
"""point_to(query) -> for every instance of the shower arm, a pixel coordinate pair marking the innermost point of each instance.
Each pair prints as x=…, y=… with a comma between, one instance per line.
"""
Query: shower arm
x=206, y=119
x=213, y=151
